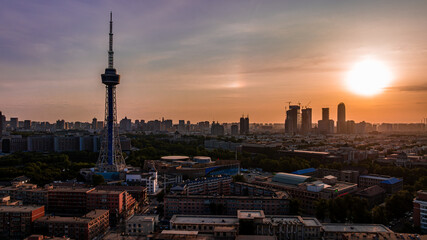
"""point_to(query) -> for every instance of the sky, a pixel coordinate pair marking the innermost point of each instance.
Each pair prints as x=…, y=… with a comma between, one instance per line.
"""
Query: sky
x=210, y=60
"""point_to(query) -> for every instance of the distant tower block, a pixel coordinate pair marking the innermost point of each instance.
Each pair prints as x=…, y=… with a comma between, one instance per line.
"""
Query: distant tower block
x=341, y=121
x=110, y=156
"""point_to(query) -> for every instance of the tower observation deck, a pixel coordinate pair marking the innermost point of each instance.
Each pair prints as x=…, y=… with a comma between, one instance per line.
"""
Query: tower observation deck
x=110, y=156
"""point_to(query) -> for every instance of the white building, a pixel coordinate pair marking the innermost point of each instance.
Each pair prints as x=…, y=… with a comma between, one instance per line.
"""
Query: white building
x=148, y=179
x=141, y=225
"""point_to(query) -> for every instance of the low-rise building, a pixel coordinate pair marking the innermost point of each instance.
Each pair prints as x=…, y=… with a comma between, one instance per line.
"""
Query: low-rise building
x=336, y=231
x=306, y=189
x=16, y=222
x=139, y=225
x=390, y=184
x=68, y=200
x=219, y=185
x=223, y=205
x=420, y=210
x=89, y=226
x=374, y=195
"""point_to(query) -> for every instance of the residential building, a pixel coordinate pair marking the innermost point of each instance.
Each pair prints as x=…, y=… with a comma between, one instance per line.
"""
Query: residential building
x=68, y=200
x=225, y=205
x=89, y=226
x=16, y=222
x=139, y=225
x=420, y=210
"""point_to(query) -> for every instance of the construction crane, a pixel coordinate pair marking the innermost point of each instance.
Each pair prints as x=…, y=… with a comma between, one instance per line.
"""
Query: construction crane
x=307, y=105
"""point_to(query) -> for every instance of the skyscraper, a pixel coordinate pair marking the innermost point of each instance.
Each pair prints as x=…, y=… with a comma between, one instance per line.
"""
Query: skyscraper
x=341, y=121
x=234, y=129
x=13, y=123
x=110, y=156
x=326, y=125
x=292, y=119
x=325, y=113
x=244, y=125
x=1, y=125
x=94, y=123
x=306, y=121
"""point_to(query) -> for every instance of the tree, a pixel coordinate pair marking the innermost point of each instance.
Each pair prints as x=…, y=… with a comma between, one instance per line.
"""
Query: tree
x=321, y=209
x=379, y=215
x=239, y=178
x=421, y=183
x=398, y=204
x=294, y=207
x=97, y=179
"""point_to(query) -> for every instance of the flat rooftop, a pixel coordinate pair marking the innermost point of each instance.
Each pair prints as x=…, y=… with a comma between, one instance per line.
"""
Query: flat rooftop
x=28, y=208
x=311, y=222
x=355, y=228
x=284, y=196
x=71, y=189
x=143, y=218
x=250, y=214
x=106, y=191
x=209, y=219
x=83, y=219
x=180, y=232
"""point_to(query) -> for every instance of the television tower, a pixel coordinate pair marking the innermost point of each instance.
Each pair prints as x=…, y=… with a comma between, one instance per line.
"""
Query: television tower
x=110, y=156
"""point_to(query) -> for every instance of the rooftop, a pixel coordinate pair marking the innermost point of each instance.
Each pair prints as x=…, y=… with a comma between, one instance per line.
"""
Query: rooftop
x=374, y=177
x=107, y=191
x=143, y=218
x=84, y=219
x=208, y=219
x=304, y=171
x=311, y=222
x=289, y=178
x=27, y=208
x=250, y=214
x=180, y=232
x=355, y=228
x=72, y=189
x=392, y=180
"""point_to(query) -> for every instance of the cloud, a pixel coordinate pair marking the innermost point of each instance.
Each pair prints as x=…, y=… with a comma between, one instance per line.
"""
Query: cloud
x=411, y=88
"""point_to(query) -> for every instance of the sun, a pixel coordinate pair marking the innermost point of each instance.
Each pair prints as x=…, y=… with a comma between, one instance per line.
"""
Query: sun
x=368, y=77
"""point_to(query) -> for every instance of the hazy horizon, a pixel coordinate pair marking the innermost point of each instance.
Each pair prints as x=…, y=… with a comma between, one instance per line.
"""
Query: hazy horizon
x=210, y=60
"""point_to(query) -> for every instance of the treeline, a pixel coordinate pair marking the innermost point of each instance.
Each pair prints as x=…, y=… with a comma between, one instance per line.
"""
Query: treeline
x=413, y=178
x=352, y=209
x=153, y=147
x=282, y=164
x=44, y=168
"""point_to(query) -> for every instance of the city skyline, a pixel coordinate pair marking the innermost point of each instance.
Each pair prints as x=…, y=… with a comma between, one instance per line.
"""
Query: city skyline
x=202, y=61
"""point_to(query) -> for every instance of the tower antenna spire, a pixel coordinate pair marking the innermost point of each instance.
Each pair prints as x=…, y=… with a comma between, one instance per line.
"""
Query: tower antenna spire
x=110, y=49
x=110, y=156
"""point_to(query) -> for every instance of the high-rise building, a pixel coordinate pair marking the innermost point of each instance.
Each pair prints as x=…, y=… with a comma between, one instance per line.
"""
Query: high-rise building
x=1, y=125
x=292, y=122
x=110, y=156
x=306, y=121
x=60, y=124
x=244, y=125
x=13, y=123
x=94, y=123
x=3, y=120
x=325, y=113
x=217, y=129
x=234, y=129
x=326, y=125
x=27, y=124
x=125, y=124
x=341, y=121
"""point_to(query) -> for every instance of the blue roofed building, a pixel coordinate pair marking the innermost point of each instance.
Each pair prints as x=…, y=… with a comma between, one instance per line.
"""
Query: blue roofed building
x=289, y=178
x=306, y=172
x=389, y=184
